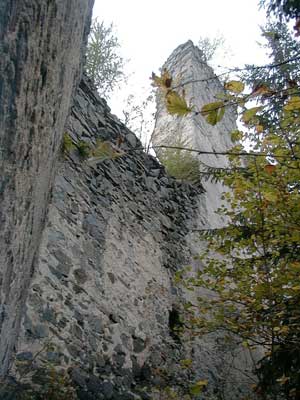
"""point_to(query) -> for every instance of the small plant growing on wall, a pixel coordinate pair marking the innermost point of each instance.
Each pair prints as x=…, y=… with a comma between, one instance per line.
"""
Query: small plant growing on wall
x=67, y=144
x=104, y=150
x=37, y=378
x=181, y=164
x=84, y=149
x=57, y=386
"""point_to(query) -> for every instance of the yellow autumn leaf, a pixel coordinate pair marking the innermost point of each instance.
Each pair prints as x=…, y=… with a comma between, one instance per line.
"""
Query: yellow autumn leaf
x=236, y=135
x=203, y=382
x=198, y=387
x=235, y=86
x=176, y=105
x=186, y=363
x=283, y=380
x=259, y=128
x=164, y=81
x=213, y=112
x=295, y=265
x=293, y=104
x=250, y=113
x=284, y=329
x=270, y=196
x=104, y=150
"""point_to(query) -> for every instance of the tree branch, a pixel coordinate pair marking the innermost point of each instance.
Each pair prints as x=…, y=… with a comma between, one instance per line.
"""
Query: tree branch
x=224, y=153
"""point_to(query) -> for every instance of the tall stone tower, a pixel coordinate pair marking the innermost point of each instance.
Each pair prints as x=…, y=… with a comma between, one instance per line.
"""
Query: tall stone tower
x=226, y=362
x=186, y=65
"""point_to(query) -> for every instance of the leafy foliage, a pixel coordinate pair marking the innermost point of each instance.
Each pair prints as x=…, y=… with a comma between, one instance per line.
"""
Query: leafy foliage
x=210, y=46
x=83, y=148
x=251, y=267
x=175, y=102
x=287, y=8
x=104, y=65
x=104, y=150
x=197, y=388
x=181, y=163
x=67, y=144
x=272, y=87
x=39, y=378
x=234, y=86
x=176, y=387
x=163, y=82
x=138, y=116
x=213, y=112
x=57, y=386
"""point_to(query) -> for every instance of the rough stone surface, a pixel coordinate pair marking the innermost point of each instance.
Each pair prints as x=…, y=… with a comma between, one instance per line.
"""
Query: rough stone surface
x=228, y=366
x=40, y=47
x=102, y=287
x=186, y=65
x=102, y=292
x=102, y=303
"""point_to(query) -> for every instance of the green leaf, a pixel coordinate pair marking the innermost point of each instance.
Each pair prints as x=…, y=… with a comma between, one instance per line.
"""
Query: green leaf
x=164, y=81
x=270, y=196
x=213, y=112
x=67, y=144
x=235, y=86
x=250, y=113
x=198, y=387
x=269, y=34
x=83, y=148
x=293, y=104
x=103, y=151
x=176, y=105
x=186, y=363
x=236, y=135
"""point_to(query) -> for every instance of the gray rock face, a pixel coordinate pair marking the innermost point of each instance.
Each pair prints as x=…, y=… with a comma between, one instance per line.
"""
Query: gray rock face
x=186, y=65
x=101, y=303
x=40, y=48
x=102, y=293
x=102, y=289
x=225, y=363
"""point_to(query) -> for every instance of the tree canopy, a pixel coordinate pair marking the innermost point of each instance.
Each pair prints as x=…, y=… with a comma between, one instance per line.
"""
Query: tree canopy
x=252, y=265
x=104, y=65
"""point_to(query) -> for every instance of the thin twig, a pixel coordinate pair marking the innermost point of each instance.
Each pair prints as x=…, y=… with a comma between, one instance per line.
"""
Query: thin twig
x=270, y=66
x=224, y=153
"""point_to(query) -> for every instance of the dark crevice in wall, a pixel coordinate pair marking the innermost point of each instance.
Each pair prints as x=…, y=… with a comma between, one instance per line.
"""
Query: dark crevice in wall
x=175, y=325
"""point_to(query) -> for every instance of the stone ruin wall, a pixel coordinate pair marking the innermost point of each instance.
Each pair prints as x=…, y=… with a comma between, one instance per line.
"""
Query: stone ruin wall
x=98, y=297
x=102, y=293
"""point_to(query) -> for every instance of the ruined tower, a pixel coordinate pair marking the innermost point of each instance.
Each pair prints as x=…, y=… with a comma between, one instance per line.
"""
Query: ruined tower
x=187, y=66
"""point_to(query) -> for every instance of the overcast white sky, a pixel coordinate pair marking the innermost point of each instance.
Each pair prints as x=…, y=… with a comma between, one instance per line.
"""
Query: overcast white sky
x=150, y=30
